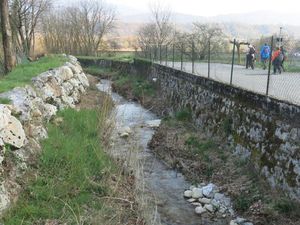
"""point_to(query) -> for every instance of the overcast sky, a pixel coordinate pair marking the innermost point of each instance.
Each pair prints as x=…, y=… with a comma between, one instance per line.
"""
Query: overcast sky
x=202, y=7
x=213, y=7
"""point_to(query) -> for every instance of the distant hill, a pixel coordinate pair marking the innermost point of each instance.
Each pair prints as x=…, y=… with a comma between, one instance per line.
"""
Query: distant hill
x=244, y=26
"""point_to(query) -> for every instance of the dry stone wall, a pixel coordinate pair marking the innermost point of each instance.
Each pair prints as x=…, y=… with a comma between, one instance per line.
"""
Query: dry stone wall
x=22, y=122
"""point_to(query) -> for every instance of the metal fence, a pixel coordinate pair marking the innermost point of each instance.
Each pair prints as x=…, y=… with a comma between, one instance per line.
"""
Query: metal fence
x=230, y=67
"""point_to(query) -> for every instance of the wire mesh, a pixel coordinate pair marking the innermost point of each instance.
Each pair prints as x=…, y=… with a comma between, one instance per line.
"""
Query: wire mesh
x=217, y=65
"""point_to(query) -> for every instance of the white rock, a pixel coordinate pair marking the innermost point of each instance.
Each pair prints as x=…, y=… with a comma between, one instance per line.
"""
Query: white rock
x=13, y=133
x=196, y=204
x=1, y=143
x=209, y=208
x=124, y=135
x=48, y=111
x=208, y=190
x=222, y=210
x=68, y=101
x=75, y=69
x=4, y=116
x=65, y=73
x=4, y=198
x=188, y=194
x=239, y=220
x=81, y=89
x=153, y=123
x=83, y=79
x=200, y=210
x=191, y=200
x=39, y=132
x=68, y=88
x=204, y=200
x=219, y=196
x=192, y=187
x=215, y=203
x=232, y=222
x=197, y=193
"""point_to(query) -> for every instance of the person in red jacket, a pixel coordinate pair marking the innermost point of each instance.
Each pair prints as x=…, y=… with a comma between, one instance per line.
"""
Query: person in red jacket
x=276, y=61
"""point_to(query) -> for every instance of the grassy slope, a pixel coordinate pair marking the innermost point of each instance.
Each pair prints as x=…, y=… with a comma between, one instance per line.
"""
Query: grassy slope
x=23, y=73
x=71, y=173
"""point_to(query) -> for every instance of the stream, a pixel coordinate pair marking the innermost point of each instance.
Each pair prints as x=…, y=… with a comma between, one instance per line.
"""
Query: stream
x=161, y=188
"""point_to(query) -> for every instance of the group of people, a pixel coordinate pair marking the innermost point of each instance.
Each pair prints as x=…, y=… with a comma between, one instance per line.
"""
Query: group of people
x=277, y=59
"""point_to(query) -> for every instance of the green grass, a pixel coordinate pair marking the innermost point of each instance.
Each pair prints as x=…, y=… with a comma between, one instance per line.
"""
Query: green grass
x=287, y=207
x=5, y=101
x=200, y=147
x=72, y=171
x=122, y=57
x=96, y=70
x=23, y=73
x=183, y=115
x=139, y=85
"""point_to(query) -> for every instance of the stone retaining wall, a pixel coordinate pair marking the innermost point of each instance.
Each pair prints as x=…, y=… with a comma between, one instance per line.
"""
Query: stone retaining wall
x=22, y=123
x=259, y=128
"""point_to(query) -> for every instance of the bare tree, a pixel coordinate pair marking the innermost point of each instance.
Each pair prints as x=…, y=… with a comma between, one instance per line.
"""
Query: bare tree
x=79, y=29
x=159, y=31
x=197, y=42
x=26, y=14
x=161, y=18
x=9, y=54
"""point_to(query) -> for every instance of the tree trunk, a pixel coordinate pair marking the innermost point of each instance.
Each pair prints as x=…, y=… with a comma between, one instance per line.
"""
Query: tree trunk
x=9, y=54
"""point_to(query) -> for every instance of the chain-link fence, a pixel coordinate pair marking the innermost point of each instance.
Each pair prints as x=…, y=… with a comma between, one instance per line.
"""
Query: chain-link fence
x=277, y=75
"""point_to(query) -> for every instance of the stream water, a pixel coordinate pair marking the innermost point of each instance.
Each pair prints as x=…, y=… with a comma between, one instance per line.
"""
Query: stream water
x=164, y=186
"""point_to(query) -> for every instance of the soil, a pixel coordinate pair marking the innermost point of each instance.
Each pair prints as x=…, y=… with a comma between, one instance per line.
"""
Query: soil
x=209, y=159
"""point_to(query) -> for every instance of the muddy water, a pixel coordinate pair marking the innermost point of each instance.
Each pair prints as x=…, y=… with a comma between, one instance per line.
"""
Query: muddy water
x=161, y=184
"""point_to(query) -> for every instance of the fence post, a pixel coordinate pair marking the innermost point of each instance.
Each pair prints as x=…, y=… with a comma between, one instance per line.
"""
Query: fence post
x=166, y=55
x=208, y=73
x=160, y=54
x=269, y=69
x=181, y=57
x=173, y=58
x=232, y=63
x=193, y=57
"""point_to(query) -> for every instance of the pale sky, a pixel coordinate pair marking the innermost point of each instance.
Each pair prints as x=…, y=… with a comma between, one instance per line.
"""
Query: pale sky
x=214, y=7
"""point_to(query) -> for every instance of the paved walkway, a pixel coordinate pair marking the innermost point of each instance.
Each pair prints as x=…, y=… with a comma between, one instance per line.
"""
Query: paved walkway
x=284, y=87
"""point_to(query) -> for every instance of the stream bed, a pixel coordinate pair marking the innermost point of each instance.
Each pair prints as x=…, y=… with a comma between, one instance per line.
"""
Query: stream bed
x=160, y=187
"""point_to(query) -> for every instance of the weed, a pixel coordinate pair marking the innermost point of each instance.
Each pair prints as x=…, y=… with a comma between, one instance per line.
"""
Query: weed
x=199, y=147
x=288, y=207
x=243, y=202
x=227, y=126
x=184, y=115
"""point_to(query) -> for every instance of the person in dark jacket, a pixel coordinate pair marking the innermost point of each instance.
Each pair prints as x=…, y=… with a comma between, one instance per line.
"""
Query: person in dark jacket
x=276, y=61
x=250, y=57
x=283, y=56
